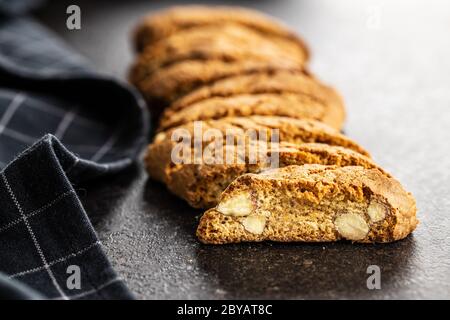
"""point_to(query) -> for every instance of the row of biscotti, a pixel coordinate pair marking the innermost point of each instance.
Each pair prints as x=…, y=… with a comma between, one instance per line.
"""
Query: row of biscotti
x=237, y=70
x=326, y=186
x=202, y=63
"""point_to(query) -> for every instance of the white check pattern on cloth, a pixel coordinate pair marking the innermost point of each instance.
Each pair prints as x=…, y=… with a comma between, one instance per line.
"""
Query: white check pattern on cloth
x=60, y=123
x=10, y=109
x=23, y=47
x=51, y=263
x=38, y=211
x=46, y=88
x=27, y=48
x=92, y=291
x=46, y=265
x=33, y=237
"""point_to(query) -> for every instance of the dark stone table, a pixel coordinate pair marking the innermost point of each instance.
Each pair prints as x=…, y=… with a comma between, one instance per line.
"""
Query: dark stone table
x=391, y=62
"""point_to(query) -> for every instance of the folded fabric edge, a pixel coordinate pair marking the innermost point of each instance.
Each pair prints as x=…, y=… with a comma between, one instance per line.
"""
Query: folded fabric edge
x=68, y=166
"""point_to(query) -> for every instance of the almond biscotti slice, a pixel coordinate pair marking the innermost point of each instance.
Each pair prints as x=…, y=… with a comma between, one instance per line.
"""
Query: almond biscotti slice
x=201, y=180
x=165, y=23
x=285, y=104
x=311, y=203
x=228, y=42
x=281, y=92
x=202, y=184
x=273, y=81
x=170, y=83
x=158, y=155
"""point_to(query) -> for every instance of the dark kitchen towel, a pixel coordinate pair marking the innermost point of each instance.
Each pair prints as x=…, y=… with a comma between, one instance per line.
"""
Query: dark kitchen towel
x=60, y=124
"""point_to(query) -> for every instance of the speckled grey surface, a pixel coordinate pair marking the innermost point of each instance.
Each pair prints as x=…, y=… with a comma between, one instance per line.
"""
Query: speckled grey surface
x=390, y=60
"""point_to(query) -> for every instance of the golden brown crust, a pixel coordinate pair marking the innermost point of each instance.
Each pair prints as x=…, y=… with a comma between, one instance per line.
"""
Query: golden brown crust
x=172, y=82
x=201, y=184
x=282, y=92
x=311, y=203
x=274, y=81
x=193, y=57
x=226, y=42
x=235, y=69
x=289, y=130
x=165, y=23
x=287, y=105
x=297, y=130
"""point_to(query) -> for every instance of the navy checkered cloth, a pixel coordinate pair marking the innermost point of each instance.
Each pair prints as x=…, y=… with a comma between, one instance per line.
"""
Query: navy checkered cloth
x=60, y=125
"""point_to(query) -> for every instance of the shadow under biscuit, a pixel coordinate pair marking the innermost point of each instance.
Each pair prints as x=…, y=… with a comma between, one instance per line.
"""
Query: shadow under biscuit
x=305, y=271
x=273, y=270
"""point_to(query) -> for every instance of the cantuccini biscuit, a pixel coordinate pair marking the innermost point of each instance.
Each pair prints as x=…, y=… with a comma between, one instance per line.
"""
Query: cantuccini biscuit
x=158, y=155
x=229, y=43
x=232, y=72
x=201, y=184
x=165, y=23
x=311, y=203
x=273, y=81
x=288, y=129
x=174, y=81
x=288, y=105
x=283, y=93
